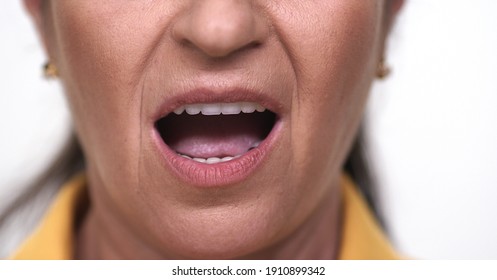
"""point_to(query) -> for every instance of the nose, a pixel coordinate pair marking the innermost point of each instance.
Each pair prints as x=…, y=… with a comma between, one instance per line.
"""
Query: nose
x=219, y=28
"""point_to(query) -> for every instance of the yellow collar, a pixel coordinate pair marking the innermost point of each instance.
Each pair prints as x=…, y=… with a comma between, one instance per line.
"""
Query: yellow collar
x=361, y=236
x=54, y=237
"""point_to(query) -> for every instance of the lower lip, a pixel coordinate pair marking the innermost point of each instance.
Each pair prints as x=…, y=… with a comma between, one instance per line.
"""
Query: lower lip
x=219, y=174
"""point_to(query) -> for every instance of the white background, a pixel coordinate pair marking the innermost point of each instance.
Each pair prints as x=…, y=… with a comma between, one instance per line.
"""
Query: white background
x=432, y=125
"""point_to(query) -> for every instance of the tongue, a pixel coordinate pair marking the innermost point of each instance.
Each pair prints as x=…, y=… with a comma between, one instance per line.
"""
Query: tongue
x=219, y=136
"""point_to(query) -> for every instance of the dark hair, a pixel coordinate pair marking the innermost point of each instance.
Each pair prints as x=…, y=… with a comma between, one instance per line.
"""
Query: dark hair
x=30, y=202
x=359, y=168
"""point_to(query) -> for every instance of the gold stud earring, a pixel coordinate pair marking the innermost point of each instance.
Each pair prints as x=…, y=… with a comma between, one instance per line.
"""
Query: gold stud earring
x=383, y=71
x=50, y=71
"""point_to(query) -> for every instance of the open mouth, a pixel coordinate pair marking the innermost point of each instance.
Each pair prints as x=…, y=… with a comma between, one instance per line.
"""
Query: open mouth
x=216, y=132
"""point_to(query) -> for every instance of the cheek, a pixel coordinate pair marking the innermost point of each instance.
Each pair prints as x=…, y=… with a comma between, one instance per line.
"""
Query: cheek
x=335, y=49
x=100, y=54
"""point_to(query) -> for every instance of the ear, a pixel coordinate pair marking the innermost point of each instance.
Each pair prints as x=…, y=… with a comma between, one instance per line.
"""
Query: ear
x=393, y=10
x=35, y=8
x=397, y=5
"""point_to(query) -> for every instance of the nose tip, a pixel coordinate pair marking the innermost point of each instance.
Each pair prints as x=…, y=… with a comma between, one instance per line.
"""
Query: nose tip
x=219, y=28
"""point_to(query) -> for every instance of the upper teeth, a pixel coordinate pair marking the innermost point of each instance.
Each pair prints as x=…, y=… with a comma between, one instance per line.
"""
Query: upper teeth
x=220, y=108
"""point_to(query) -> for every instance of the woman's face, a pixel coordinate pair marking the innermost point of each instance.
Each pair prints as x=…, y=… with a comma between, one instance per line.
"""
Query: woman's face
x=127, y=65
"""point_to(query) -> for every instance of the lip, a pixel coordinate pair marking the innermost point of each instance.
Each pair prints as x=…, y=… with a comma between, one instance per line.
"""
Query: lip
x=224, y=173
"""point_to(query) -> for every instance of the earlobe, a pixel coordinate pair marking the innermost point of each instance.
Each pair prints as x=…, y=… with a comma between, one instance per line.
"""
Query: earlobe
x=397, y=6
x=393, y=9
x=34, y=9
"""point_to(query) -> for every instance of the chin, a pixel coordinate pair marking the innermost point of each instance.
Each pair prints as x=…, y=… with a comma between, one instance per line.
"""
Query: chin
x=223, y=234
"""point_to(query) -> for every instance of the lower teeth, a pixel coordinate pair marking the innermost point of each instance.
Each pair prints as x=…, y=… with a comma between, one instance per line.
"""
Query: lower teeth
x=211, y=160
x=214, y=160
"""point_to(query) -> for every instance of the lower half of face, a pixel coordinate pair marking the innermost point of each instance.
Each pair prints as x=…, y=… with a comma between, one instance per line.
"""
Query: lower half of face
x=213, y=129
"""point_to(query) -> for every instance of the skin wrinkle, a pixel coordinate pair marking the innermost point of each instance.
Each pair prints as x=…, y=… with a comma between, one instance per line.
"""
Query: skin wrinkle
x=139, y=162
x=119, y=61
x=280, y=35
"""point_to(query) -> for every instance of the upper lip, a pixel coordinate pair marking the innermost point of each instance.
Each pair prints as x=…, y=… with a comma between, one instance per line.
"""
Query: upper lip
x=209, y=95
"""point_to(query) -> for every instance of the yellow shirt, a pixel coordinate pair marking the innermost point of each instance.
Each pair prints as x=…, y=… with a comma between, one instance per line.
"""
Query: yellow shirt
x=361, y=235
